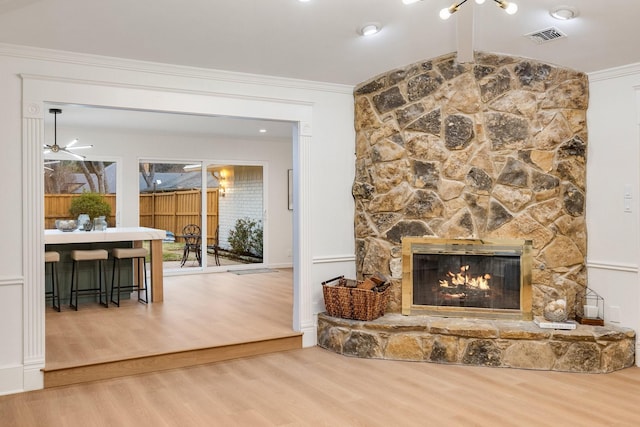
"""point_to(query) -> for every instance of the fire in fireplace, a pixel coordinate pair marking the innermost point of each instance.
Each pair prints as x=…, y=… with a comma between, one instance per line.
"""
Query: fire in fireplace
x=467, y=277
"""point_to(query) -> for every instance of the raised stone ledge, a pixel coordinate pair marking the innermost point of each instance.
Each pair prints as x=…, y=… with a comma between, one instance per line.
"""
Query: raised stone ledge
x=482, y=342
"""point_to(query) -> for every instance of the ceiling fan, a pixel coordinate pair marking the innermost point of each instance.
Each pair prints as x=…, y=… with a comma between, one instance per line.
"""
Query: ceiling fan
x=55, y=148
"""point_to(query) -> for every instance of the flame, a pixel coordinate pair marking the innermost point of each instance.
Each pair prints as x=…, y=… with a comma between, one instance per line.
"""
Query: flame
x=463, y=278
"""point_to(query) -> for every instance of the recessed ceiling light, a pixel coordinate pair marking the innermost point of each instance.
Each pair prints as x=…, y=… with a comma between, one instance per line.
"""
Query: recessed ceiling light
x=369, y=29
x=564, y=13
x=262, y=131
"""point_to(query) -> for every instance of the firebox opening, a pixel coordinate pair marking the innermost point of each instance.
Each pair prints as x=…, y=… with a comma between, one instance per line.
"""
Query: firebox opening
x=471, y=278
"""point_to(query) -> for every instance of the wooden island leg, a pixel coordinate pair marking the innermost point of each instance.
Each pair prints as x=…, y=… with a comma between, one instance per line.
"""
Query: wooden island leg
x=156, y=271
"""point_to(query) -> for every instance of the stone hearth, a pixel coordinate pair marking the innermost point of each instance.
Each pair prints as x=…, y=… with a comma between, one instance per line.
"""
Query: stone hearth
x=480, y=342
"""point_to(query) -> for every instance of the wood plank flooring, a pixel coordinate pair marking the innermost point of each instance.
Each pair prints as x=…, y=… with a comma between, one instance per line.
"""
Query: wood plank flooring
x=235, y=315
x=315, y=387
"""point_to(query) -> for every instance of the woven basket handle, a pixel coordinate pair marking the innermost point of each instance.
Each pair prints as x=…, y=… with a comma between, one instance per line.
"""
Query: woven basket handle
x=331, y=280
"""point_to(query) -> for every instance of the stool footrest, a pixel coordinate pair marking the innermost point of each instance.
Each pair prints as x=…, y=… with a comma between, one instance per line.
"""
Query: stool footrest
x=137, y=254
x=98, y=255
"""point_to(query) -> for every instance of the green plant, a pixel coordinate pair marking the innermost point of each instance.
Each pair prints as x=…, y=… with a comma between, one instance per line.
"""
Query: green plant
x=246, y=237
x=256, y=239
x=92, y=204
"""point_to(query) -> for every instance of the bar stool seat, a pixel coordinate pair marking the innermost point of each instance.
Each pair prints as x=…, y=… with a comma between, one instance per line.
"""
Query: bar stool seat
x=52, y=258
x=139, y=255
x=99, y=256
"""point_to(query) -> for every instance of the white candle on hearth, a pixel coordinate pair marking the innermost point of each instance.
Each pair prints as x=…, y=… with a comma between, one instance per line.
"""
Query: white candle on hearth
x=590, y=311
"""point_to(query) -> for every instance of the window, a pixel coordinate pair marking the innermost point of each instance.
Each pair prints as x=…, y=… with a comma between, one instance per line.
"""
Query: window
x=66, y=179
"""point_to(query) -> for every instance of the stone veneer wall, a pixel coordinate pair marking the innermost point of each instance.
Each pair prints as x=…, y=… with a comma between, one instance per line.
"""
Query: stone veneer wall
x=494, y=148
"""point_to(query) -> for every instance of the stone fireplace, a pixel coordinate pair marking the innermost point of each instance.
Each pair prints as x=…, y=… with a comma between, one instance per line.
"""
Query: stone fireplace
x=494, y=149
x=486, y=151
x=466, y=277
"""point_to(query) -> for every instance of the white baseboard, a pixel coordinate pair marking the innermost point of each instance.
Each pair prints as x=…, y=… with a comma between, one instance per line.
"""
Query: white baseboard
x=11, y=380
x=310, y=336
x=33, y=377
x=281, y=265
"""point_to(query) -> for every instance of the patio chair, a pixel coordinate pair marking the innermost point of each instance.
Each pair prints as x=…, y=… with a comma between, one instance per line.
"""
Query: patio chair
x=215, y=246
x=192, y=242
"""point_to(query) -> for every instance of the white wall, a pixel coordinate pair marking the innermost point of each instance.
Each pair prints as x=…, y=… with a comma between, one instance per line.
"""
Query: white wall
x=612, y=174
x=322, y=159
x=243, y=198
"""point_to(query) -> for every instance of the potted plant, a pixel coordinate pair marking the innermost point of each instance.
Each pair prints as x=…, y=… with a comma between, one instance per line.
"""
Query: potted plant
x=91, y=204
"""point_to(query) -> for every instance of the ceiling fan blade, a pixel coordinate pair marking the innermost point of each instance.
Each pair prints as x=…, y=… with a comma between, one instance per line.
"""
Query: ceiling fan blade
x=72, y=143
x=79, y=147
x=77, y=156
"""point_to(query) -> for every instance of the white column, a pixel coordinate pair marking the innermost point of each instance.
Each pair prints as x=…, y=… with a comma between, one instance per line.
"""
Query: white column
x=302, y=219
x=33, y=252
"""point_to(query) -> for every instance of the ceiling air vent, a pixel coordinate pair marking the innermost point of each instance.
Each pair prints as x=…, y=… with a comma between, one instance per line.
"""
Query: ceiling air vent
x=546, y=35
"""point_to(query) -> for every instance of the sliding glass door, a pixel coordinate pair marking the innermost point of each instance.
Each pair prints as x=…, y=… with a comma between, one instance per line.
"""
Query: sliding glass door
x=239, y=233
x=213, y=213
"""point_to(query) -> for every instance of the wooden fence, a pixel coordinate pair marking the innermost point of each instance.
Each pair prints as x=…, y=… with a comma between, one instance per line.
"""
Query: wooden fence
x=169, y=211
x=56, y=206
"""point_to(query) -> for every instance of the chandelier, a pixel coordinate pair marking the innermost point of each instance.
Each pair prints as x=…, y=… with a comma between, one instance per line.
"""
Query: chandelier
x=445, y=13
x=55, y=148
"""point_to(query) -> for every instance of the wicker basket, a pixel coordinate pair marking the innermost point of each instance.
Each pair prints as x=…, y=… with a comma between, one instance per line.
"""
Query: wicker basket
x=344, y=300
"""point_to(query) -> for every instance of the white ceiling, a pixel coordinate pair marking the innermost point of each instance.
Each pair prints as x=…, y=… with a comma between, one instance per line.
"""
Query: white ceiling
x=318, y=40
x=182, y=124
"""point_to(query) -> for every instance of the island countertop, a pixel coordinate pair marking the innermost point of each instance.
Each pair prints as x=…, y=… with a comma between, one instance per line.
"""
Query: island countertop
x=137, y=235
x=112, y=234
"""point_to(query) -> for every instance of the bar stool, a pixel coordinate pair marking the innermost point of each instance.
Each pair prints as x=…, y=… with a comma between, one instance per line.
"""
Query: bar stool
x=51, y=258
x=139, y=255
x=99, y=255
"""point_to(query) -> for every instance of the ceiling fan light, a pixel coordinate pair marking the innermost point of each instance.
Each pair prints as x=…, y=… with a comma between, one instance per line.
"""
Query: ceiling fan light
x=480, y=1
x=447, y=12
x=410, y=1
x=509, y=7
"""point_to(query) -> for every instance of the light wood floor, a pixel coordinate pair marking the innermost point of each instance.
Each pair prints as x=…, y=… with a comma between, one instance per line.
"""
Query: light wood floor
x=315, y=387
x=198, y=311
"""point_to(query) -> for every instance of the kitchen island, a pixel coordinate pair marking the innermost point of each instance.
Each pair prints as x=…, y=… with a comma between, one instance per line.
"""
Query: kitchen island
x=132, y=236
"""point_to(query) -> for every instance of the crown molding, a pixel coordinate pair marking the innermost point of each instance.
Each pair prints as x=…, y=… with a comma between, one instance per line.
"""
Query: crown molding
x=613, y=73
x=76, y=58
